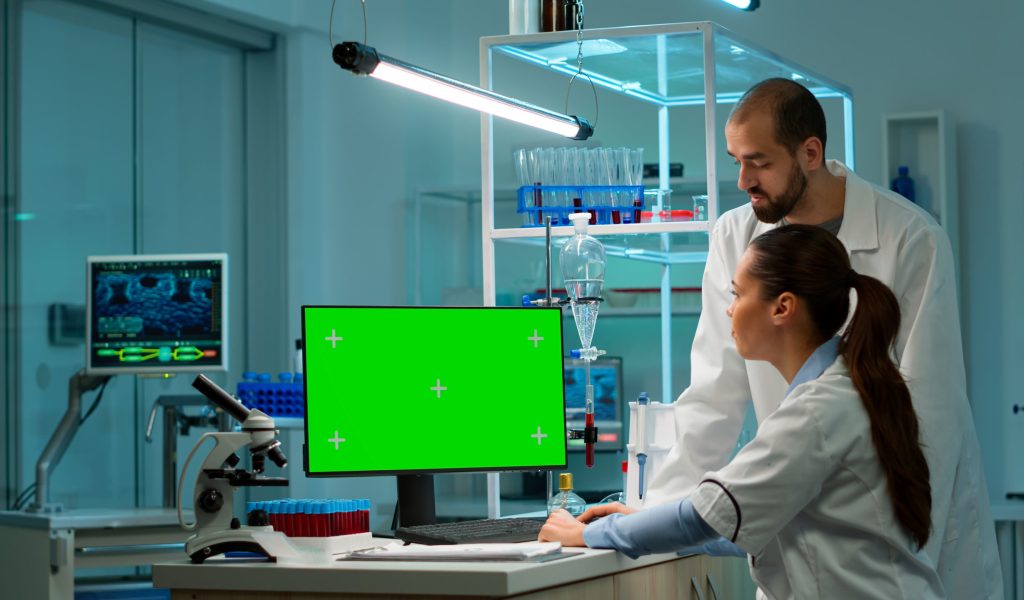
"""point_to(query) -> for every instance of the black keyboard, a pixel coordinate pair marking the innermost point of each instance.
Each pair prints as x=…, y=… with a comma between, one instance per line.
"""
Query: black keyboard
x=472, y=532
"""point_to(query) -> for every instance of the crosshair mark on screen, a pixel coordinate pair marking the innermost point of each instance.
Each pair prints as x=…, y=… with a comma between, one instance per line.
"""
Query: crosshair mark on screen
x=333, y=339
x=336, y=440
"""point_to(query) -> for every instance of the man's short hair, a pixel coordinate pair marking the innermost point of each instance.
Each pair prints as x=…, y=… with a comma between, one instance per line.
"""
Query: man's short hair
x=796, y=113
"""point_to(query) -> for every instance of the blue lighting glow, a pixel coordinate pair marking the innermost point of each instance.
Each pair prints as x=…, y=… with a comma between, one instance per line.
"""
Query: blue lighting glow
x=635, y=88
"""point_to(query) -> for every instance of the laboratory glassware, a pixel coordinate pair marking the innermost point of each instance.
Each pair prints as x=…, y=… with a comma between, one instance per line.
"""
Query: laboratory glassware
x=641, y=441
x=583, y=261
x=566, y=499
x=700, y=207
x=903, y=184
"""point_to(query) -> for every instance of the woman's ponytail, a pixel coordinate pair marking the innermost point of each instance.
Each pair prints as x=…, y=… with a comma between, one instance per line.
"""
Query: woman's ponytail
x=867, y=345
x=812, y=264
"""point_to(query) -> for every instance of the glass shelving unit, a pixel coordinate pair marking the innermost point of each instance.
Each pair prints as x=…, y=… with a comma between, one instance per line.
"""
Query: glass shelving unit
x=671, y=68
x=663, y=87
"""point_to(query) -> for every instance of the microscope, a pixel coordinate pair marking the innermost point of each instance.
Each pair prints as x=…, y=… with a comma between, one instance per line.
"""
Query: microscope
x=217, y=529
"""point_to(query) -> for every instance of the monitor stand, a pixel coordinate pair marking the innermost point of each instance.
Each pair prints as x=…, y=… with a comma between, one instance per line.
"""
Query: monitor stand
x=415, y=500
x=62, y=436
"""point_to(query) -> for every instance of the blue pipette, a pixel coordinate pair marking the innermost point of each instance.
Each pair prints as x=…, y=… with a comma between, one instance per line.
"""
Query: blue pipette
x=641, y=440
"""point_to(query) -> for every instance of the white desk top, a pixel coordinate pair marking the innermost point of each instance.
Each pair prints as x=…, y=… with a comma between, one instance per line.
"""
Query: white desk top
x=400, y=577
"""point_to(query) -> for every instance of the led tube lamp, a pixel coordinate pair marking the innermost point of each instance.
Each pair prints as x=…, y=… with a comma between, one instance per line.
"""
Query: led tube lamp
x=744, y=4
x=365, y=60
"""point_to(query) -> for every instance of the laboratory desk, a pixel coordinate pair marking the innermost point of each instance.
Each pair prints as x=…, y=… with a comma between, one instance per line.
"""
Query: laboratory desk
x=40, y=552
x=590, y=574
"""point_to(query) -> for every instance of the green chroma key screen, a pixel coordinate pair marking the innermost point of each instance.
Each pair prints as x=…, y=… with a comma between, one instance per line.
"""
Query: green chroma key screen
x=413, y=389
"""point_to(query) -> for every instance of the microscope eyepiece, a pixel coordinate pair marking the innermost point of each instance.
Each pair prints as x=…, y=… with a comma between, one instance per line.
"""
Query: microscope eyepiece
x=218, y=396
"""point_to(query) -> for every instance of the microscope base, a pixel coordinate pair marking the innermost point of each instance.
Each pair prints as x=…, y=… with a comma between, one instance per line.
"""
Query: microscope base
x=202, y=546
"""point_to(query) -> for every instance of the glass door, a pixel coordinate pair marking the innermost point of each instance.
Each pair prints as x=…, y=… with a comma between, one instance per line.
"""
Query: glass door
x=131, y=140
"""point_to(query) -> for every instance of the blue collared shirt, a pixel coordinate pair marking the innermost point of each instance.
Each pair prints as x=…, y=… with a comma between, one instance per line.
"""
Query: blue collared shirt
x=819, y=360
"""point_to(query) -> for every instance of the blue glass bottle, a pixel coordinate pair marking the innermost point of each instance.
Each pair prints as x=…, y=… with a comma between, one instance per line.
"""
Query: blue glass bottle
x=903, y=184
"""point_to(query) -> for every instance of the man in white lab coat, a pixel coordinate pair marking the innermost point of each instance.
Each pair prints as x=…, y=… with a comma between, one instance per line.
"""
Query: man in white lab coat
x=776, y=133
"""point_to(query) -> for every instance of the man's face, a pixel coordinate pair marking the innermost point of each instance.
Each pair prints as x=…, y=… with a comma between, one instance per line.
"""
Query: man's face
x=769, y=174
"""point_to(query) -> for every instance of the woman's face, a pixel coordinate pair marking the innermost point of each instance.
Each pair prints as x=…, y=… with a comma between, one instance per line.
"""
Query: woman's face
x=752, y=327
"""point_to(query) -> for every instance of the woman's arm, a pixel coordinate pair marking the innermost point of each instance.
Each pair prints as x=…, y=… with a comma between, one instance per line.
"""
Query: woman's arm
x=665, y=528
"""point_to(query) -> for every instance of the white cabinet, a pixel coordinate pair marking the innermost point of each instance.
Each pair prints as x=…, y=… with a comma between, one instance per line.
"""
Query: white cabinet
x=666, y=88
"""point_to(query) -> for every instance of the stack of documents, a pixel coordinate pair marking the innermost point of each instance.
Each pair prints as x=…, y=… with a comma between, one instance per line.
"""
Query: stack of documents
x=457, y=552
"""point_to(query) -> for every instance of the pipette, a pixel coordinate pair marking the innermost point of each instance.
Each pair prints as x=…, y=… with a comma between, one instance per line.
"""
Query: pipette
x=641, y=440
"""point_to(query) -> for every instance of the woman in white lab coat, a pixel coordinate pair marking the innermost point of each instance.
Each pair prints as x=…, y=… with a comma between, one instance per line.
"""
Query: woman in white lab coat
x=831, y=499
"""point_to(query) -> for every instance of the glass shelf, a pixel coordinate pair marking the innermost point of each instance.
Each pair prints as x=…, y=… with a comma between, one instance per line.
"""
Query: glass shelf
x=625, y=60
x=684, y=245
x=649, y=311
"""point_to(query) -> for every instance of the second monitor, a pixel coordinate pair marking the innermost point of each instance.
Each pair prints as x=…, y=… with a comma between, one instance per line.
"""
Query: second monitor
x=157, y=313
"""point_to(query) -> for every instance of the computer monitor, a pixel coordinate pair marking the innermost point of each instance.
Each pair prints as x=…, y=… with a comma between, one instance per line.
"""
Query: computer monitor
x=156, y=314
x=420, y=390
x=606, y=377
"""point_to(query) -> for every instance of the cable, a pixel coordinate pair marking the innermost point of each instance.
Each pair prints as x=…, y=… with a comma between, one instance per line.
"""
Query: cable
x=330, y=24
x=363, y=2
x=95, y=403
x=23, y=497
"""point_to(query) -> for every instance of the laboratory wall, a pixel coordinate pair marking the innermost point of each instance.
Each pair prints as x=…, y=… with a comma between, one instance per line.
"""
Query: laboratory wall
x=350, y=174
x=911, y=56
x=897, y=58
x=357, y=154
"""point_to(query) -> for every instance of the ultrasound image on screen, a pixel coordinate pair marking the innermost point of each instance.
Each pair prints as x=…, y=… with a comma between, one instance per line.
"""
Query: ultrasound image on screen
x=156, y=314
x=153, y=304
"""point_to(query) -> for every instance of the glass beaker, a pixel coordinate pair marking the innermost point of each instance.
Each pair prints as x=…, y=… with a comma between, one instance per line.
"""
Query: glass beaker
x=700, y=207
x=659, y=202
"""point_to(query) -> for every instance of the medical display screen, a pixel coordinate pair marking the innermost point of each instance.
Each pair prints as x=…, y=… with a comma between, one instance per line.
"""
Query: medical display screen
x=606, y=377
x=394, y=390
x=156, y=313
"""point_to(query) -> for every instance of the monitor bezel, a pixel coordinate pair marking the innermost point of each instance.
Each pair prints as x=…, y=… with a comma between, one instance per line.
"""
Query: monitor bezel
x=161, y=370
x=480, y=469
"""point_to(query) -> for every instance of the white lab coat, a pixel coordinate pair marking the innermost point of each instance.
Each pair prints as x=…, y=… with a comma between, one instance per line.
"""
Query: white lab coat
x=897, y=242
x=808, y=500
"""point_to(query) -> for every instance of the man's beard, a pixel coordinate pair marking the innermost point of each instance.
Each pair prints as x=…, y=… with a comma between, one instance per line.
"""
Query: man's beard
x=773, y=209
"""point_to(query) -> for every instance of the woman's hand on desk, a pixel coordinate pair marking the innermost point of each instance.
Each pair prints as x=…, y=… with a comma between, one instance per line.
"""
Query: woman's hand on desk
x=562, y=527
x=602, y=510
